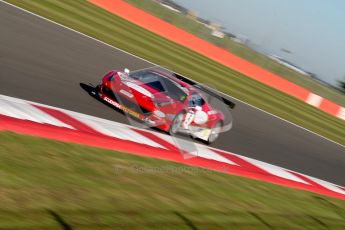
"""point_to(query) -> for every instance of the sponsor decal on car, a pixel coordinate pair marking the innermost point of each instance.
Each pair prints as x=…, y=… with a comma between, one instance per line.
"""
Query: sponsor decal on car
x=123, y=108
x=107, y=99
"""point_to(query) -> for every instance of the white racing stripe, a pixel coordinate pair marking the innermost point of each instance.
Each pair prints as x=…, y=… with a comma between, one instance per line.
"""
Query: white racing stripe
x=25, y=111
x=139, y=89
x=272, y=169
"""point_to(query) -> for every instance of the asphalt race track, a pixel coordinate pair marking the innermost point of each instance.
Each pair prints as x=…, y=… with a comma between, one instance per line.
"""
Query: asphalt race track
x=45, y=63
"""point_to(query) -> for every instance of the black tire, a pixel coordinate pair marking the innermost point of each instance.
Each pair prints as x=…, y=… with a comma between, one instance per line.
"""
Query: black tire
x=176, y=123
x=215, y=131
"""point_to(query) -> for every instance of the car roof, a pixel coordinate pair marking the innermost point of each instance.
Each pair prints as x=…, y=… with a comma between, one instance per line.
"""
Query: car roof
x=161, y=82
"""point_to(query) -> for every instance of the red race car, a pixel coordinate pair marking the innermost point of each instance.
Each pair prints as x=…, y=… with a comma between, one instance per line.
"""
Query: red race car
x=167, y=101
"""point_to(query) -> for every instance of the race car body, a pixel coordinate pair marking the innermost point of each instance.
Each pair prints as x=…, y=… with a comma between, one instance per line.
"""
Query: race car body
x=163, y=101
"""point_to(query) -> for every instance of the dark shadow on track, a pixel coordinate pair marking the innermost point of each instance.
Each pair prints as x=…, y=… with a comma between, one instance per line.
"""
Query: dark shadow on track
x=90, y=89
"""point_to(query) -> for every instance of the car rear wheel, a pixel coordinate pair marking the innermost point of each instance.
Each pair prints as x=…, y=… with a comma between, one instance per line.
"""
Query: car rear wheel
x=176, y=123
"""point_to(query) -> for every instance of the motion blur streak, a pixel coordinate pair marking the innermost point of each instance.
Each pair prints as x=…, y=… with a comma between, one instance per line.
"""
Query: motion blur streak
x=44, y=62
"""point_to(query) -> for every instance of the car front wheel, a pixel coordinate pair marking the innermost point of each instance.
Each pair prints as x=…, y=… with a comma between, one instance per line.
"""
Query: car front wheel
x=176, y=123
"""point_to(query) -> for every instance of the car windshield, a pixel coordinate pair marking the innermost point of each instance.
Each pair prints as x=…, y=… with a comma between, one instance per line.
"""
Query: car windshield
x=160, y=83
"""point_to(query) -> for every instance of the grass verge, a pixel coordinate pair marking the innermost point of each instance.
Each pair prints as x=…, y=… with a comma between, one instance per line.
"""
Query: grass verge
x=91, y=20
x=47, y=184
x=240, y=50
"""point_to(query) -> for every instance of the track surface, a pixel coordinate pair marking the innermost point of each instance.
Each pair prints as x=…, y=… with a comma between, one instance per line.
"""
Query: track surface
x=45, y=63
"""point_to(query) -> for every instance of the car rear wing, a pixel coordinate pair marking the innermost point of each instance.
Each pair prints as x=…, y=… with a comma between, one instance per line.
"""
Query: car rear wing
x=206, y=89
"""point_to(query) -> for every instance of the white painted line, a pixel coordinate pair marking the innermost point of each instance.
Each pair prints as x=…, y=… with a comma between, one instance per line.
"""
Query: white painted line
x=204, y=152
x=195, y=150
x=170, y=139
x=25, y=111
x=272, y=169
x=314, y=100
x=43, y=117
x=289, y=122
x=117, y=131
x=7, y=110
x=327, y=185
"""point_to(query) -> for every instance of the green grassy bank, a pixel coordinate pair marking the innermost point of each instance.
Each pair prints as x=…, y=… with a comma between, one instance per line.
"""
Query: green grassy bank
x=53, y=185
